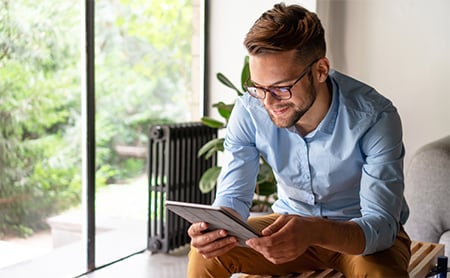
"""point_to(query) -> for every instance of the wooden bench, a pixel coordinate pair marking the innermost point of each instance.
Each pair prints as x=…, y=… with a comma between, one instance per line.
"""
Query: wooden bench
x=423, y=259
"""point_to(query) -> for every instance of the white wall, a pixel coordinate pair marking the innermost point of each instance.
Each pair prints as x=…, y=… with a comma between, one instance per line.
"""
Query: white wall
x=401, y=47
x=230, y=21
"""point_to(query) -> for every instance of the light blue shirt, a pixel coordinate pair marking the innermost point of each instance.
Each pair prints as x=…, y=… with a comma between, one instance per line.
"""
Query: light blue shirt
x=349, y=168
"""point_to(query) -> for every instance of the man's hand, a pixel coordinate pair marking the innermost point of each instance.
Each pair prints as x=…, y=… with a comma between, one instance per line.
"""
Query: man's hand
x=290, y=235
x=212, y=243
x=284, y=240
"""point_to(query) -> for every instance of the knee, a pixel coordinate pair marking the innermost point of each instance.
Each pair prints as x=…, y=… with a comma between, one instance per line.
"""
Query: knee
x=367, y=268
x=198, y=266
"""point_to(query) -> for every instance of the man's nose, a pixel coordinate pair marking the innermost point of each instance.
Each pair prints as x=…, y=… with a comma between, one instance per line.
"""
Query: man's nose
x=270, y=99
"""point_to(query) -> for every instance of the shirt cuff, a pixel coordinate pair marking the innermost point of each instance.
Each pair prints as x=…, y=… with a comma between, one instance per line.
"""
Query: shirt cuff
x=240, y=207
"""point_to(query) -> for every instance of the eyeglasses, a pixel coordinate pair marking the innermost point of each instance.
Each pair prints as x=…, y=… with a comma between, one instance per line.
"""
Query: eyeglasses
x=278, y=92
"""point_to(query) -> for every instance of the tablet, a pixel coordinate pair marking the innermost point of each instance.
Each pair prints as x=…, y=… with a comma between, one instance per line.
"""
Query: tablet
x=216, y=217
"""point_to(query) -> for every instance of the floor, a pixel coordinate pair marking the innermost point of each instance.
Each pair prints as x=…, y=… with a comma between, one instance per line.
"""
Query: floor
x=143, y=264
x=15, y=250
x=123, y=210
x=172, y=265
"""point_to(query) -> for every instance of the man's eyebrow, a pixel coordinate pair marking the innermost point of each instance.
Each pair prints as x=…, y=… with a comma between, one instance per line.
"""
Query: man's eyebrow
x=273, y=84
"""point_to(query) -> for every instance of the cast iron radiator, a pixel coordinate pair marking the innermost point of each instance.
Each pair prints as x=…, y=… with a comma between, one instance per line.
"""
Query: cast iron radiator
x=174, y=171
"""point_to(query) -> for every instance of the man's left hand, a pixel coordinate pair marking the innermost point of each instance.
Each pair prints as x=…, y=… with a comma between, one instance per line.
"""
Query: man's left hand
x=284, y=240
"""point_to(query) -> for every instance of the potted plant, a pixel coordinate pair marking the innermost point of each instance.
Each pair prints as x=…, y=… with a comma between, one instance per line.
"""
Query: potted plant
x=265, y=191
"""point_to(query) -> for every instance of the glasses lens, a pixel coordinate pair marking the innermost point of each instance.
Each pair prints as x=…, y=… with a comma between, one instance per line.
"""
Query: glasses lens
x=255, y=92
x=281, y=92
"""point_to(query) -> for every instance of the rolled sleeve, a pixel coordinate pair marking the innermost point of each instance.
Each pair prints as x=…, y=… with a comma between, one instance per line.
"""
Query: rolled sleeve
x=237, y=181
x=382, y=182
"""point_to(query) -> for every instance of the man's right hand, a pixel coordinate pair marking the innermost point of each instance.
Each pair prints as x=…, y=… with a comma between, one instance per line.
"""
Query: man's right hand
x=212, y=243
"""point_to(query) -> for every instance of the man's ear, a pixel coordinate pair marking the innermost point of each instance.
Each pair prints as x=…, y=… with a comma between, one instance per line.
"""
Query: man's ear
x=323, y=67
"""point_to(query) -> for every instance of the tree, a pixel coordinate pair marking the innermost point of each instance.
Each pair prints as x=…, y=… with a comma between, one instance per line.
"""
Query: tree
x=142, y=77
x=37, y=66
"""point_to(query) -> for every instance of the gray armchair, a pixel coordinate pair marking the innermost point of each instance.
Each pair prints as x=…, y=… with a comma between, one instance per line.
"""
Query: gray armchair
x=427, y=191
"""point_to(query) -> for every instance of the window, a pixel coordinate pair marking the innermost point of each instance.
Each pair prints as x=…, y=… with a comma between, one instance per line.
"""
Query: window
x=143, y=75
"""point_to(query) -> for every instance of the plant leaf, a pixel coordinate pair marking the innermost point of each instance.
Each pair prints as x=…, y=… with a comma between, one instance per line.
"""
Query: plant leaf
x=224, y=109
x=266, y=180
x=217, y=148
x=212, y=122
x=245, y=74
x=225, y=81
x=209, y=179
x=212, y=146
x=266, y=188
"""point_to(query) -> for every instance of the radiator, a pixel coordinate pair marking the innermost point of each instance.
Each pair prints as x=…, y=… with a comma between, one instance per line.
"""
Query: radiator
x=174, y=171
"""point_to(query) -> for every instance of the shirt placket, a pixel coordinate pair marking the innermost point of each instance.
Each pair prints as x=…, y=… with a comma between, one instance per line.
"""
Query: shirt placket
x=305, y=170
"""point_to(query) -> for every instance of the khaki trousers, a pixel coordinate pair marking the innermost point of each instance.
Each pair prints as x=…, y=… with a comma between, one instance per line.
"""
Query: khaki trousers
x=392, y=262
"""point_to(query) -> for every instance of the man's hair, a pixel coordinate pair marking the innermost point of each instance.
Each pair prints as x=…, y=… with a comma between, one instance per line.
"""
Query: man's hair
x=285, y=28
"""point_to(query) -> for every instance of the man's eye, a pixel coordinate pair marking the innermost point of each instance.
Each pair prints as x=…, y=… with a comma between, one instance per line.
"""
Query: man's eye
x=281, y=89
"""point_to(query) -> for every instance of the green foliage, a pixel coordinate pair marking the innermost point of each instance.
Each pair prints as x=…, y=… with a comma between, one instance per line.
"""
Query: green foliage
x=209, y=179
x=37, y=96
x=143, y=69
x=265, y=183
x=147, y=43
x=211, y=147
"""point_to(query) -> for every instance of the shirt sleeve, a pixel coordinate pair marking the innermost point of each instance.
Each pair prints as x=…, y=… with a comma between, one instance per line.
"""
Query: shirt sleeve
x=382, y=182
x=237, y=180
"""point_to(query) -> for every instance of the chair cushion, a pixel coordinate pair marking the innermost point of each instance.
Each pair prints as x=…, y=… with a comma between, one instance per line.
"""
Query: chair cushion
x=445, y=239
x=427, y=191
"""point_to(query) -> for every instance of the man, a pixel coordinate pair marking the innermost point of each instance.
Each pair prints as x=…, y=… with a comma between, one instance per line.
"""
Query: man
x=335, y=146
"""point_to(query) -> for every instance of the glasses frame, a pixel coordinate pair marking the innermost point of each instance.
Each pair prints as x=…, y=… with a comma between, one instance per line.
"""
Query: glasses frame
x=272, y=89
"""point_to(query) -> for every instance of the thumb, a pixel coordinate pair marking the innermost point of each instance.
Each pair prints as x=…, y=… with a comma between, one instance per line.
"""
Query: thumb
x=275, y=226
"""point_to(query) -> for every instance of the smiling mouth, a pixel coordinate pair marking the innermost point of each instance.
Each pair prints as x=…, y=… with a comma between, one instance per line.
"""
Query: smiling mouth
x=280, y=111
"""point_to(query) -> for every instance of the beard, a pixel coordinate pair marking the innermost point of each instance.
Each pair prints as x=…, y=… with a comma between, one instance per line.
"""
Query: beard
x=295, y=112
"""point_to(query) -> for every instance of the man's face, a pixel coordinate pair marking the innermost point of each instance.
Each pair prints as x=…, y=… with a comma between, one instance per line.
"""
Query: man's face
x=282, y=69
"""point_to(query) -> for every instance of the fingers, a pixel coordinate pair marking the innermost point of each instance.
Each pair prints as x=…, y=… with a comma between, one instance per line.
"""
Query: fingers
x=273, y=250
x=208, y=238
x=217, y=247
x=197, y=229
x=266, y=247
x=210, y=244
x=279, y=223
x=280, y=243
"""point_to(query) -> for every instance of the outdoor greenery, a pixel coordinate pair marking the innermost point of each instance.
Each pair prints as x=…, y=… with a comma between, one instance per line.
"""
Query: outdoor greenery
x=266, y=184
x=143, y=66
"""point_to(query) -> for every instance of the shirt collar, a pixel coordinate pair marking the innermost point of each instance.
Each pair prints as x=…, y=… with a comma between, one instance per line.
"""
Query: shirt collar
x=329, y=121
